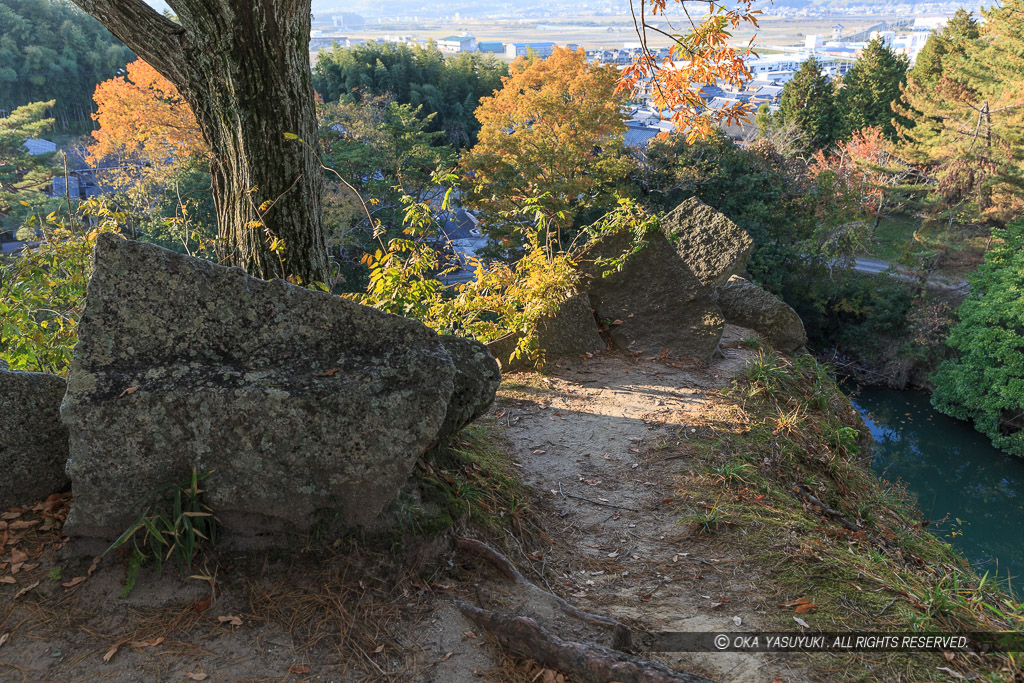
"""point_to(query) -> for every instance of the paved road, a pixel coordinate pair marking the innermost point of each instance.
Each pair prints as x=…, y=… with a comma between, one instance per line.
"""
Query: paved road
x=874, y=266
x=870, y=265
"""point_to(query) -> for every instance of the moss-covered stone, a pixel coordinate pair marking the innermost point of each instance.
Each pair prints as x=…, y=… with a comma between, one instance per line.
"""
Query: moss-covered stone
x=711, y=245
x=654, y=302
x=33, y=442
x=296, y=400
x=745, y=304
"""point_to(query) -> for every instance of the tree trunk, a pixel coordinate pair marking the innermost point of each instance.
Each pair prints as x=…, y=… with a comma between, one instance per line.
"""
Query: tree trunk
x=243, y=67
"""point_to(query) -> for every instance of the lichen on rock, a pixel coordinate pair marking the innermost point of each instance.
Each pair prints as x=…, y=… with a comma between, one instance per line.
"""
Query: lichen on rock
x=296, y=400
x=33, y=442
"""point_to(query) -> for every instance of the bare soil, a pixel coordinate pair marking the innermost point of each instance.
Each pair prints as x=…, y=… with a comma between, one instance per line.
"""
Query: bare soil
x=589, y=441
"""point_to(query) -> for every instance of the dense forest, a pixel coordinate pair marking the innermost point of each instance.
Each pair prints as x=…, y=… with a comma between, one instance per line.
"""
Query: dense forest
x=51, y=50
x=537, y=152
x=450, y=88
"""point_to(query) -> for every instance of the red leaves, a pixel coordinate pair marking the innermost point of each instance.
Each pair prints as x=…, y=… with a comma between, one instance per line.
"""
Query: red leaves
x=801, y=605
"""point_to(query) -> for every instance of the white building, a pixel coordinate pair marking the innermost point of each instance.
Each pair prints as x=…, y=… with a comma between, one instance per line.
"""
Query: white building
x=456, y=44
x=543, y=50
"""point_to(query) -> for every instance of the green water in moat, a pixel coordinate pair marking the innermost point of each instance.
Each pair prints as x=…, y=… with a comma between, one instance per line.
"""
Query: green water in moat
x=972, y=493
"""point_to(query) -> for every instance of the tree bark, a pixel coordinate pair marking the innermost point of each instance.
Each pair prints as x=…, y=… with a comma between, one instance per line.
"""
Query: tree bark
x=243, y=67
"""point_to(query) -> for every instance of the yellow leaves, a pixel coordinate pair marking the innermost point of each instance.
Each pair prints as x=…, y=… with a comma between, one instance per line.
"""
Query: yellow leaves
x=541, y=131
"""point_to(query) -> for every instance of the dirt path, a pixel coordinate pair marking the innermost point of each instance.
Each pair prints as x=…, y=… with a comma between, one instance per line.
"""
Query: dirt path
x=589, y=444
x=593, y=443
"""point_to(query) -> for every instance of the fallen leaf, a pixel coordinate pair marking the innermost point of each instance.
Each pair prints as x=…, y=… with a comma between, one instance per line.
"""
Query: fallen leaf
x=203, y=605
x=327, y=373
x=128, y=392
x=111, y=652
x=196, y=676
x=378, y=649
x=151, y=643
x=952, y=673
x=74, y=582
x=18, y=557
x=8, y=579
x=950, y=656
x=469, y=634
x=95, y=563
x=801, y=622
x=805, y=608
x=26, y=589
x=230, y=619
x=539, y=452
x=447, y=657
x=794, y=603
x=737, y=621
x=298, y=669
x=3, y=638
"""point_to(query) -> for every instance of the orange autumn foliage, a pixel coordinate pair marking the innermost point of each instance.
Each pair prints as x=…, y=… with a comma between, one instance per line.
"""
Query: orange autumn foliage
x=553, y=131
x=864, y=168
x=699, y=56
x=144, y=122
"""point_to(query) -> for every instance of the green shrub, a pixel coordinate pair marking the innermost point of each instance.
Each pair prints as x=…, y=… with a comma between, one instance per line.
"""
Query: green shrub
x=42, y=289
x=175, y=524
x=985, y=383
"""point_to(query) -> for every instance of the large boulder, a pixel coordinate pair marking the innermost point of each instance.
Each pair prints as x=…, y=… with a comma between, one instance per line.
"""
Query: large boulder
x=569, y=331
x=747, y=305
x=33, y=442
x=295, y=400
x=476, y=381
x=709, y=243
x=653, y=302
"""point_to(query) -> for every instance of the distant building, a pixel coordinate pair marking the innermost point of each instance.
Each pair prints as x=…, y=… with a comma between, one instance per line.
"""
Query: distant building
x=639, y=135
x=834, y=60
x=37, y=146
x=543, y=50
x=837, y=32
x=327, y=42
x=347, y=20
x=491, y=46
x=456, y=44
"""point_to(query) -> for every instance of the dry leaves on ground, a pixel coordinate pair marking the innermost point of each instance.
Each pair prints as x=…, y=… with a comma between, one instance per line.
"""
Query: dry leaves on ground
x=26, y=533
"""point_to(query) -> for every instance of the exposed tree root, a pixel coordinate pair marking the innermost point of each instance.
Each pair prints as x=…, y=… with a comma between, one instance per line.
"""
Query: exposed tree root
x=585, y=661
x=622, y=638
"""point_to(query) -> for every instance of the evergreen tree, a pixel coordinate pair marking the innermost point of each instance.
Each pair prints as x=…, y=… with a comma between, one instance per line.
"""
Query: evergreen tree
x=870, y=88
x=449, y=88
x=23, y=178
x=809, y=101
x=967, y=99
x=986, y=382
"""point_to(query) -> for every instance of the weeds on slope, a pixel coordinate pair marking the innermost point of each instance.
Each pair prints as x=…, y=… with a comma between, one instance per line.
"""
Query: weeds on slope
x=786, y=459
